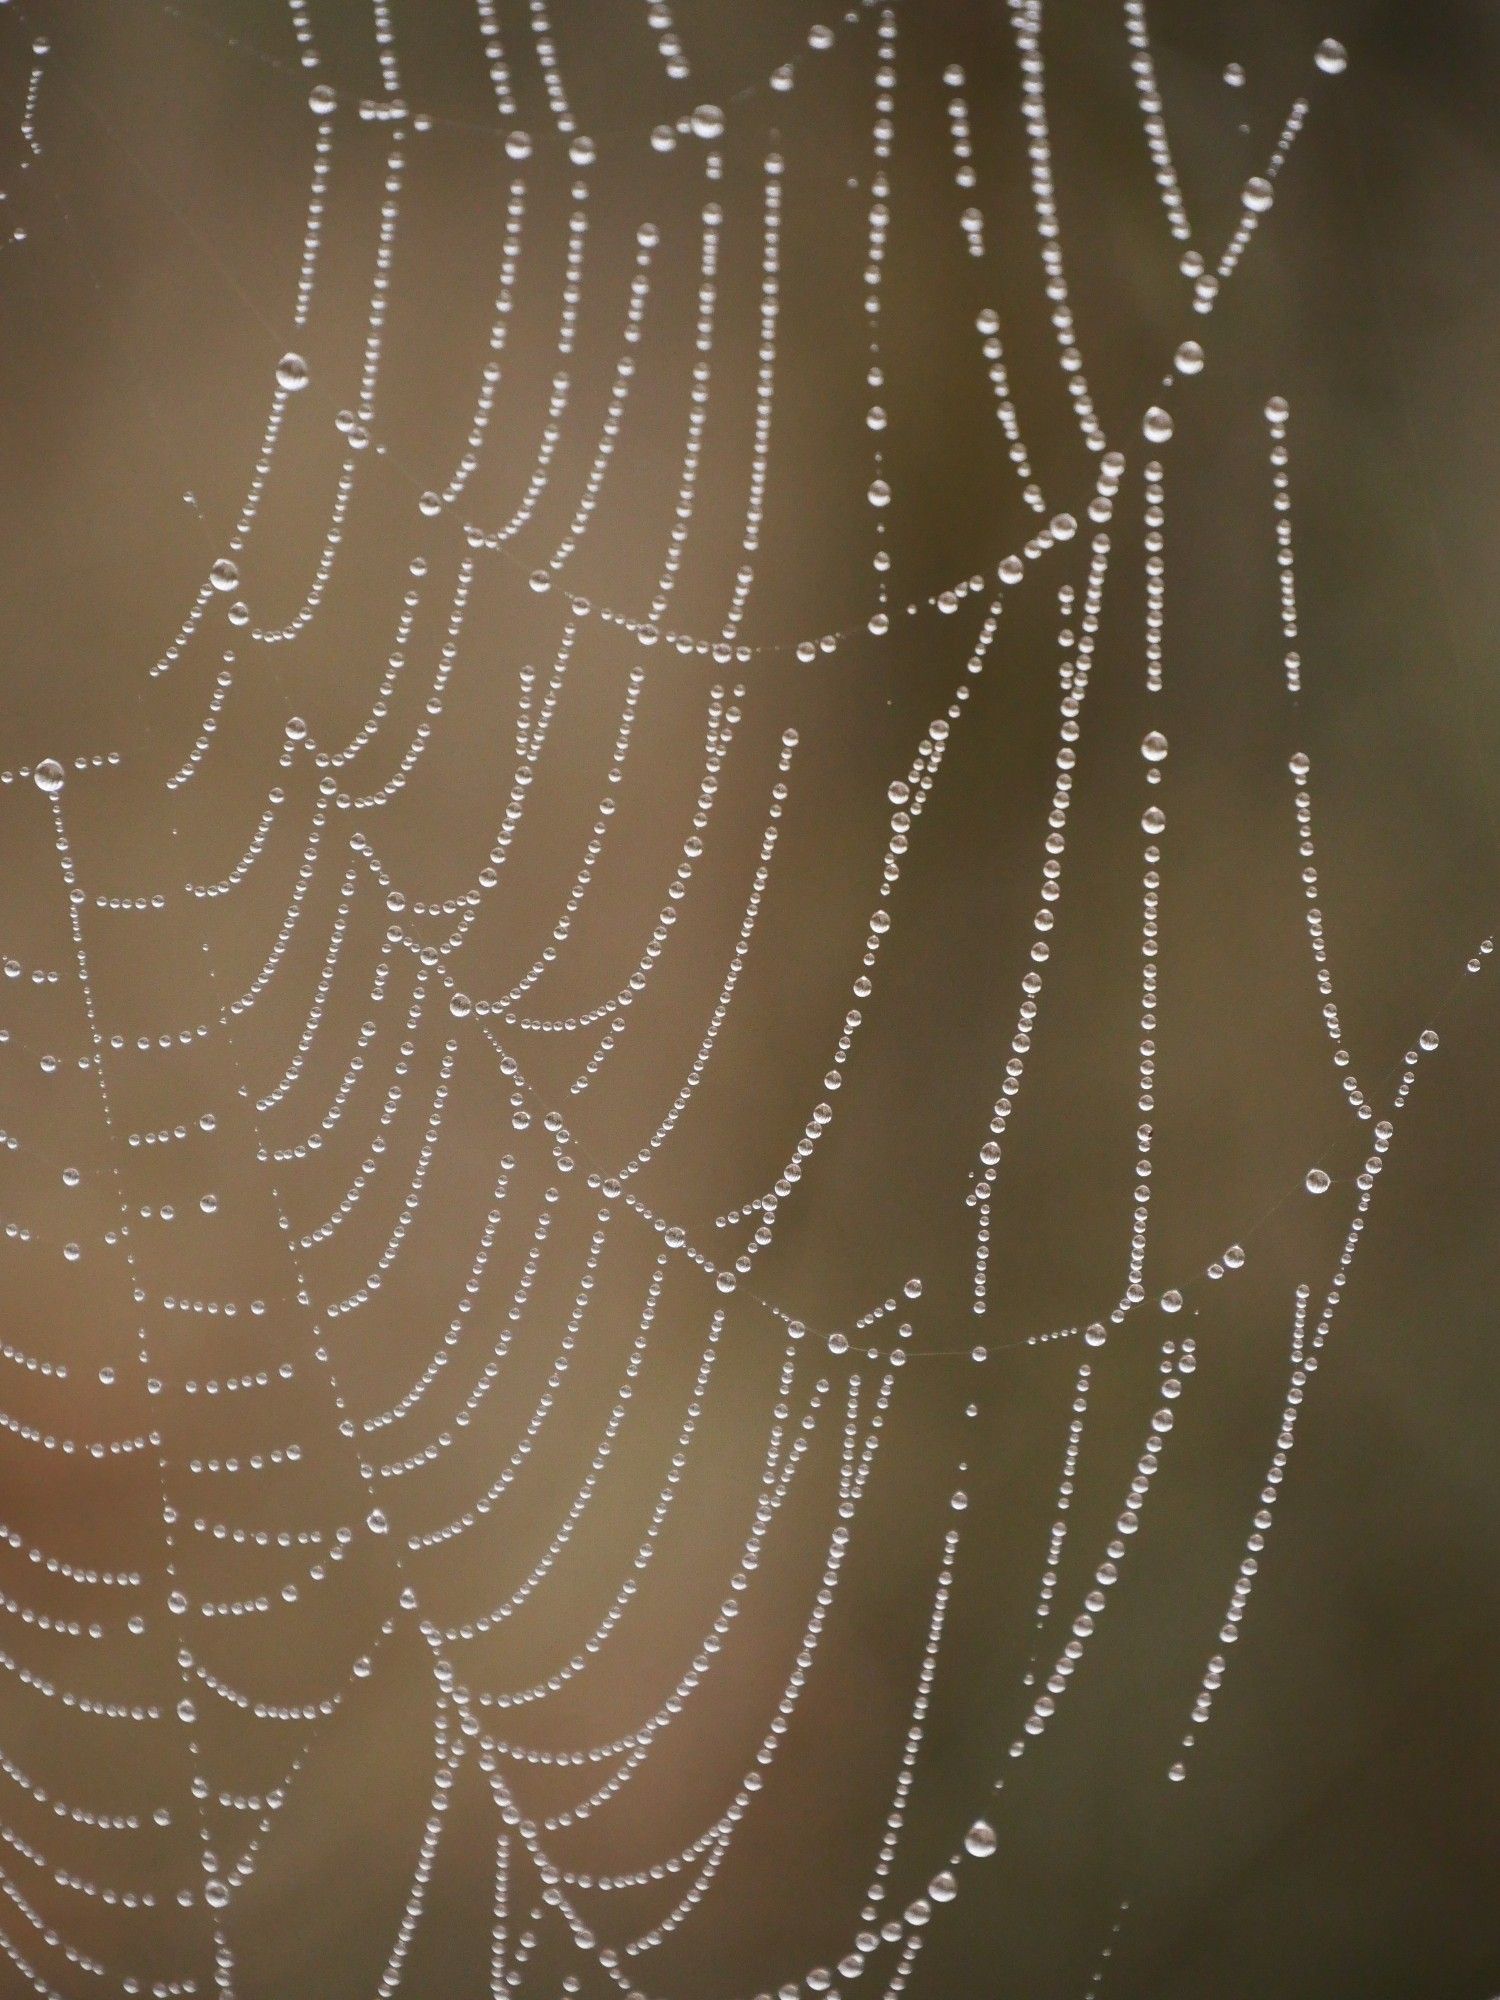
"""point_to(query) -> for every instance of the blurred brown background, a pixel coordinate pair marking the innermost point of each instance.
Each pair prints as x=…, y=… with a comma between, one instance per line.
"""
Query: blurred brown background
x=1336, y=1834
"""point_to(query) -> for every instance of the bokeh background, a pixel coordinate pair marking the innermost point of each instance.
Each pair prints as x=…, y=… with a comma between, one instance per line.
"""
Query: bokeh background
x=1336, y=1833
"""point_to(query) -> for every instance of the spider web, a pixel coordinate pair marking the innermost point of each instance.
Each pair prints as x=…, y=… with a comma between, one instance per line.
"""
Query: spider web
x=540, y=1179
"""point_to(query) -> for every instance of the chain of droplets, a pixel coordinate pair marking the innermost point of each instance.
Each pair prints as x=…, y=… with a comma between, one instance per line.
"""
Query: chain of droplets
x=323, y=1231
x=878, y=222
x=499, y=1349
x=647, y=238
x=668, y=41
x=723, y=718
x=1075, y=686
x=971, y=221
x=1300, y=766
x=781, y=1464
x=490, y=374
x=1156, y=572
x=557, y=404
x=698, y=395
x=1277, y=413
x=1149, y=95
x=1026, y=25
x=494, y=57
x=765, y=390
x=961, y=145
x=856, y=1464
x=459, y=1004
x=1057, y=1535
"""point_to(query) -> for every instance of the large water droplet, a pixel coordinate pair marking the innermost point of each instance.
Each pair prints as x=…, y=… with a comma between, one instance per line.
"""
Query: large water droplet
x=50, y=776
x=1332, y=57
x=1157, y=425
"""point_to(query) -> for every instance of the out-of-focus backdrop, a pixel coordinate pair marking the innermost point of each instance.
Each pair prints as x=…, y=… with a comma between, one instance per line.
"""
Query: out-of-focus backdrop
x=337, y=1449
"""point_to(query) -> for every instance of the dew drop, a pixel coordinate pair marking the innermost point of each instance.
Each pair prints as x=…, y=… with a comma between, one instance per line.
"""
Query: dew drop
x=1317, y=1181
x=1332, y=57
x=224, y=575
x=1153, y=746
x=1157, y=425
x=707, y=122
x=1188, y=359
x=49, y=776
x=291, y=372
x=980, y=1839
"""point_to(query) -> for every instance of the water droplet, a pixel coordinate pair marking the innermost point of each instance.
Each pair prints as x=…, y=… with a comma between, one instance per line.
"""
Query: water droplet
x=1188, y=359
x=1234, y=75
x=1317, y=1181
x=1259, y=194
x=981, y=1839
x=1153, y=820
x=1278, y=410
x=1332, y=57
x=1153, y=746
x=707, y=122
x=1157, y=425
x=49, y=776
x=224, y=575
x=518, y=145
x=1428, y=1039
x=1096, y=1333
x=291, y=372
